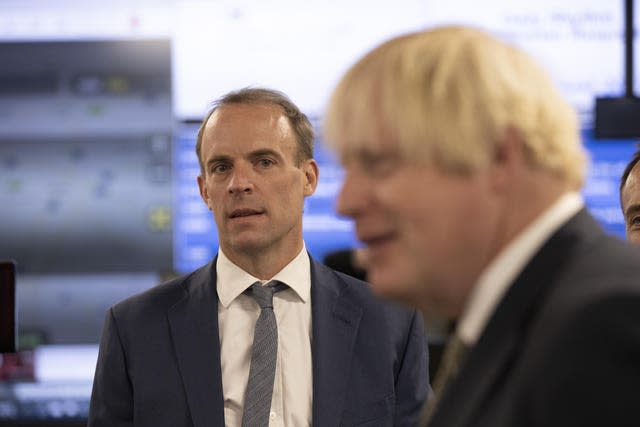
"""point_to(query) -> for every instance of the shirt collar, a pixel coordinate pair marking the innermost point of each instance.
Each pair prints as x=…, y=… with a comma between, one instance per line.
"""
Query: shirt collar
x=233, y=281
x=502, y=271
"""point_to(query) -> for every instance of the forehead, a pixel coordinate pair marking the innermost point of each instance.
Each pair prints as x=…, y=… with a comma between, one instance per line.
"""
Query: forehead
x=245, y=125
x=362, y=133
x=374, y=143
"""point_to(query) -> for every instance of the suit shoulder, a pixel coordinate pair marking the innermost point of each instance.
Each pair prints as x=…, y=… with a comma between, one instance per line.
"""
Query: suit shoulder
x=361, y=293
x=158, y=298
x=604, y=269
x=585, y=247
x=613, y=259
x=357, y=284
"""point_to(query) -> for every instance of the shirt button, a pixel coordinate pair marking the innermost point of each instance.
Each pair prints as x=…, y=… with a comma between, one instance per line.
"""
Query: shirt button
x=272, y=415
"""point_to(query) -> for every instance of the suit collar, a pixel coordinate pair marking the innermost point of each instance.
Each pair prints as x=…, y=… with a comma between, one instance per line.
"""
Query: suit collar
x=500, y=342
x=194, y=331
x=336, y=319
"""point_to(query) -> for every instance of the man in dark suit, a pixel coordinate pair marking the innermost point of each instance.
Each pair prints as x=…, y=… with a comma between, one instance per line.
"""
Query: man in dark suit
x=463, y=171
x=180, y=354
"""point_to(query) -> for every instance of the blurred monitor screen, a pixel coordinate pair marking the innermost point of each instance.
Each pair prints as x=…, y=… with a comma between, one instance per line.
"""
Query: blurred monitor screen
x=85, y=155
x=8, y=326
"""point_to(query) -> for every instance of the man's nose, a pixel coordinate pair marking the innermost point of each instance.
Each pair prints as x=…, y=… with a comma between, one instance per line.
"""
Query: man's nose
x=352, y=194
x=241, y=180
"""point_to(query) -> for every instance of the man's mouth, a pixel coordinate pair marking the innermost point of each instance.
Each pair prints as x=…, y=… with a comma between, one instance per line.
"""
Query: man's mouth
x=239, y=213
x=375, y=239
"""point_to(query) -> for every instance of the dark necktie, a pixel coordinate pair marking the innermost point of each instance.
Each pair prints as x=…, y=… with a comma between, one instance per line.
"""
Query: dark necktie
x=452, y=359
x=257, y=398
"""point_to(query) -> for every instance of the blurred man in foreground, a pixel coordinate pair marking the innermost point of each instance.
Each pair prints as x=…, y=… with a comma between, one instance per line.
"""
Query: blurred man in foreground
x=463, y=170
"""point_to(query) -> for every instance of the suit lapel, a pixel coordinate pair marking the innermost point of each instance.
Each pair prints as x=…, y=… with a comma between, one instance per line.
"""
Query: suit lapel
x=335, y=322
x=501, y=341
x=194, y=331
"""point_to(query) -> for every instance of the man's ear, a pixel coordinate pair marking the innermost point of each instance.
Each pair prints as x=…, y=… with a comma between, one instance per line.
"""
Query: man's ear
x=508, y=160
x=311, y=173
x=203, y=191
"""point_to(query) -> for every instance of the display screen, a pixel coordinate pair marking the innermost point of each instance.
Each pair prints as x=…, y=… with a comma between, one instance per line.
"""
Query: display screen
x=8, y=326
x=85, y=156
x=98, y=121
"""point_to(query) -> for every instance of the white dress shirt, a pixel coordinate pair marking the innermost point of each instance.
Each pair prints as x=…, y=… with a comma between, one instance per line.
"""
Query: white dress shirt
x=503, y=270
x=291, y=405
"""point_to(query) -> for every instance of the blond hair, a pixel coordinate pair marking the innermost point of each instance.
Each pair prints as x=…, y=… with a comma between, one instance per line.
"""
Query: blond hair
x=447, y=96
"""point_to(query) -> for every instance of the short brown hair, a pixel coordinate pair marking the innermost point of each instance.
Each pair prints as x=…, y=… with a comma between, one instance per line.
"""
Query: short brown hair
x=299, y=121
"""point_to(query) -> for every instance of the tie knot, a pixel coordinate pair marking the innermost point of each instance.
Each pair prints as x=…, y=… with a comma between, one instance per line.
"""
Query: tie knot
x=263, y=294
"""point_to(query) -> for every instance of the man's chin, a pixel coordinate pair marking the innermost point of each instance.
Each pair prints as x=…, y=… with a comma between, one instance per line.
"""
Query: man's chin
x=248, y=244
x=386, y=285
x=382, y=284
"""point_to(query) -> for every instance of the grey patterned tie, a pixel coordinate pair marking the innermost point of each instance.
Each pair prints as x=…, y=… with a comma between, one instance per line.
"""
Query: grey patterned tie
x=257, y=398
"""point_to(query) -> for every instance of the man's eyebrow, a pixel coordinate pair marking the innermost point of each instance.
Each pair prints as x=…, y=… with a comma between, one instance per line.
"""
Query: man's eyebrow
x=219, y=158
x=264, y=152
x=368, y=154
x=632, y=209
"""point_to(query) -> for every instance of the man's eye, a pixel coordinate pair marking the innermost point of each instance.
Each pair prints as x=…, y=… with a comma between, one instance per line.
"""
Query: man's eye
x=220, y=168
x=378, y=163
x=265, y=163
x=381, y=166
x=635, y=220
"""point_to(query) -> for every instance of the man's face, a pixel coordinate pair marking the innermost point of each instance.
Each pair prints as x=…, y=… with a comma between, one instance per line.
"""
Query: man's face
x=630, y=198
x=428, y=233
x=252, y=182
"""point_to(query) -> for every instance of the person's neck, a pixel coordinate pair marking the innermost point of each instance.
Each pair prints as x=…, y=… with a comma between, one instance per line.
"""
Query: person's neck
x=527, y=202
x=264, y=264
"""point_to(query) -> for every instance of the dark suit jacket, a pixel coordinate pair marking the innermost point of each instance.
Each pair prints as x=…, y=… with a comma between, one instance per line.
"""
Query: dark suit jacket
x=563, y=346
x=159, y=359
